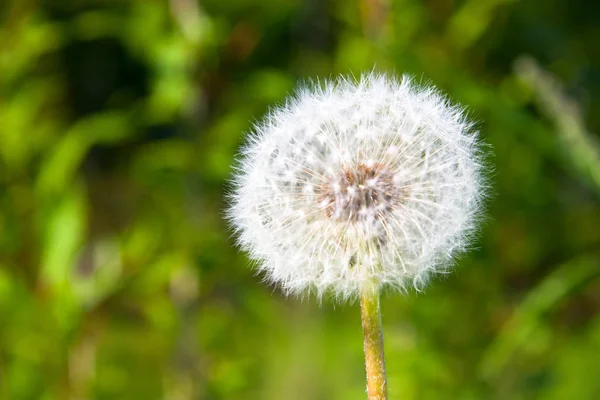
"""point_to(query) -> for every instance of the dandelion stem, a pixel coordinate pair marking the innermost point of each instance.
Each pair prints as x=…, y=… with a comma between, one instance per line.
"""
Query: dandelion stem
x=374, y=358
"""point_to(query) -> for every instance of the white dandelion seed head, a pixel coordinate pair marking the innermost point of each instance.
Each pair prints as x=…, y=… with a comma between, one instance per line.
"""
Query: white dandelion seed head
x=354, y=183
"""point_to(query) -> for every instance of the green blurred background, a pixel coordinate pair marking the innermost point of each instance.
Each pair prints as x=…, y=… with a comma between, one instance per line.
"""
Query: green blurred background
x=118, y=124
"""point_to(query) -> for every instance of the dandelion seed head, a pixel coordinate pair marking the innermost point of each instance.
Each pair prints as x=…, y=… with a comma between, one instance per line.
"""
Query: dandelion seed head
x=358, y=182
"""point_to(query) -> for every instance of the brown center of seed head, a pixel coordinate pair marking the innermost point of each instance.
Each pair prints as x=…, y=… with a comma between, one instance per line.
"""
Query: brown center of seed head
x=360, y=192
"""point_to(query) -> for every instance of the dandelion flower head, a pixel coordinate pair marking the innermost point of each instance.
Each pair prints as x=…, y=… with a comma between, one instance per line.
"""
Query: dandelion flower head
x=355, y=183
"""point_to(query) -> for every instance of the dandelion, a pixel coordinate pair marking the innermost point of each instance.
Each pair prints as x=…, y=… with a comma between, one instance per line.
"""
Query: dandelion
x=353, y=186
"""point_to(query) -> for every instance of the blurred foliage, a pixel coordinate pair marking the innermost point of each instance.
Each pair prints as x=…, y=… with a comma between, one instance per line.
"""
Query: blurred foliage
x=118, y=124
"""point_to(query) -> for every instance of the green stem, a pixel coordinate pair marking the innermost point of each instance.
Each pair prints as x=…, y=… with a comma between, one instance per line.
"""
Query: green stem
x=374, y=358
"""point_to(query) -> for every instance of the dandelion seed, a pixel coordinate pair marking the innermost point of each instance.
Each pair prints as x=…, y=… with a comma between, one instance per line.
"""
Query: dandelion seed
x=388, y=177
